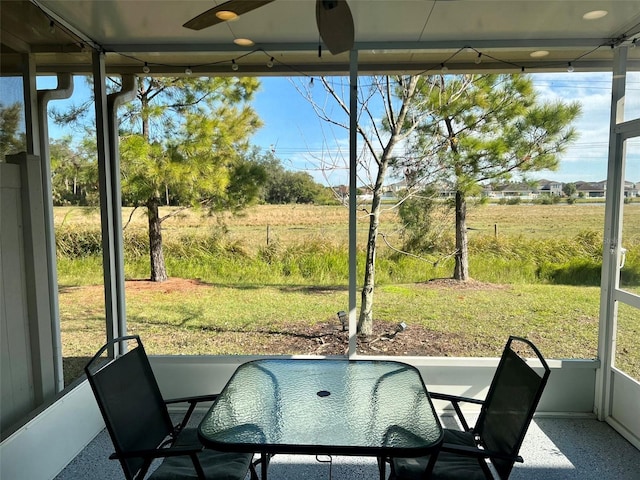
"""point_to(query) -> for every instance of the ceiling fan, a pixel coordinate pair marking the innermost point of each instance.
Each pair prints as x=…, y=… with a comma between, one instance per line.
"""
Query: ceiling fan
x=333, y=17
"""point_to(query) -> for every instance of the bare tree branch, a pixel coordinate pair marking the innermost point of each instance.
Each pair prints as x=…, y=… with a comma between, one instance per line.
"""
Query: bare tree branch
x=130, y=217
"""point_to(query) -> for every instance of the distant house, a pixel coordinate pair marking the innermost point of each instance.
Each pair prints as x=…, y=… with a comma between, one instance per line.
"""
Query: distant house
x=631, y=189
x=446, y=190
x=391, y=191
x=550, y=187
x=599, y=189
x=365, y=194
x=520, y=190
x=342, y=193
x=592, y=189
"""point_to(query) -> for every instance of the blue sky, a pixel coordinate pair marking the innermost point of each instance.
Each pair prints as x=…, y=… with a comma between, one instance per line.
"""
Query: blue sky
x=293, y=128
x=303, y=142
x=586, y=159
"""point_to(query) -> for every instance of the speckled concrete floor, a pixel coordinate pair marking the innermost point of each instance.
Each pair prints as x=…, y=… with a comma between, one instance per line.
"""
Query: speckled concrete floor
x=554, y=449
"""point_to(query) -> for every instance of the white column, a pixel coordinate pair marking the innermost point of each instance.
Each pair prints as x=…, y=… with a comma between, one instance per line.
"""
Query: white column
x=109, y=263
x=30, y=103
x=611, y=243
x=114, y=100
x=353, y=162
x=63, y=90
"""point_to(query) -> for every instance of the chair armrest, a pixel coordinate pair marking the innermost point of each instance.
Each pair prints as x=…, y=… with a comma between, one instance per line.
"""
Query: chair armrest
x=196, y=399
x=454, y=398
x=159, y=453
x=479, y=452
x=192, y=401
x=455, y=401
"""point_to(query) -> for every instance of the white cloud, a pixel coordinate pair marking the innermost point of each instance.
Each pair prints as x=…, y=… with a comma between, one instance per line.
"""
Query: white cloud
x=586, y=158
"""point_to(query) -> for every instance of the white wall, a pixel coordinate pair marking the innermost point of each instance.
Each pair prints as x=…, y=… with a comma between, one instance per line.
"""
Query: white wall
x=28, y=376
x=570, y=389
x=17, y=396
x=41, y=448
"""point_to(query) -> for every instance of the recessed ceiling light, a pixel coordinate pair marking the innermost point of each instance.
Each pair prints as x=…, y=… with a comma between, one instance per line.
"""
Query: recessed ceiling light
x=539, y=54
x=226, y=15
x=244, y=42
x=594, y=14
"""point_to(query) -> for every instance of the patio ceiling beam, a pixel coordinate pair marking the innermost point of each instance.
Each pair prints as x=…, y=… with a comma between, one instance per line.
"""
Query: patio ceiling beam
x=14, y=42
x=415, y=46
x=295, y=69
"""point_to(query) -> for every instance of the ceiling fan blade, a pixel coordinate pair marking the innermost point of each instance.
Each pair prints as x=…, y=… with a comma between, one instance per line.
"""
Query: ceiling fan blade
x=335, y=24
x=209, y=18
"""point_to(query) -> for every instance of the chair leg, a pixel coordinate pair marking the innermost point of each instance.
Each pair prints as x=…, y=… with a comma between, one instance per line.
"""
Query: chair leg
x=264, y=464
x=197, y=466
x=252, y=471
x=382, y=464
x=432, y=462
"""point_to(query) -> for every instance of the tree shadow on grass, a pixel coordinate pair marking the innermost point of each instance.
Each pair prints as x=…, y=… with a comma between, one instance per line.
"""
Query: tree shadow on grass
x=310, y=289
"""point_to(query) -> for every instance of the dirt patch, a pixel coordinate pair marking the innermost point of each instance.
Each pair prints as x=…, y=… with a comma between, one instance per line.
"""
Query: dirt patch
x=171, y=285
x=329, y=339
x=450, y=283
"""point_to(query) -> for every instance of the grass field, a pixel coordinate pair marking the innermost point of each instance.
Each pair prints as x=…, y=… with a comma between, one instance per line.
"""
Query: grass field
x=286, y=265
x=293, y=224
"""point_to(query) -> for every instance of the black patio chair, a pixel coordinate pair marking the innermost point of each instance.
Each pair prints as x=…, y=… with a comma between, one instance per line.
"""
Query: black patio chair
x=138, y=421
x=491, y=447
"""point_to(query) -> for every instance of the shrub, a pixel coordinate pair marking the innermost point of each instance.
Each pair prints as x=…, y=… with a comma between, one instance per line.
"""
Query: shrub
x=510, y=201
x=136, y=243
x=78, y=243
x=416, y=217
x=548, y=200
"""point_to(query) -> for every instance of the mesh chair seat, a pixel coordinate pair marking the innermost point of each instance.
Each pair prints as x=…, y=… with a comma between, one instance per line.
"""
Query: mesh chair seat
x=216, y=465
x=450, y=466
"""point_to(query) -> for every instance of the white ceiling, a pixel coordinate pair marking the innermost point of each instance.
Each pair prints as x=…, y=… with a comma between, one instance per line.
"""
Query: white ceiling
x=390, y=35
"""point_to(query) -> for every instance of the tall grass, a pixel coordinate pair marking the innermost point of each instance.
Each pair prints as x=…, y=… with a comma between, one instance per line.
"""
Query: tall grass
x=76, y=272
x=212, y=258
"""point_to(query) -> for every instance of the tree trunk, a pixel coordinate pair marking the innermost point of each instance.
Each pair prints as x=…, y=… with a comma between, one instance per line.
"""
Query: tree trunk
x=461, y=270
x=158, y=269
x=144, y=100
x=365, y=321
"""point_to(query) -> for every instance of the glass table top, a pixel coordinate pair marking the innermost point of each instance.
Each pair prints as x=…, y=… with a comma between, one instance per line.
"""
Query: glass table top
x=323, y=406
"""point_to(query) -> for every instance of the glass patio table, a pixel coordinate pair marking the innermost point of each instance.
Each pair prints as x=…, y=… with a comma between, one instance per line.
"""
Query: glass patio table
x=318, y=406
